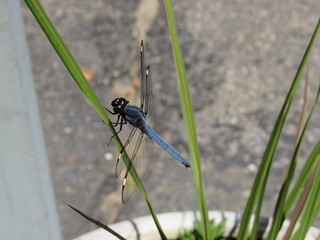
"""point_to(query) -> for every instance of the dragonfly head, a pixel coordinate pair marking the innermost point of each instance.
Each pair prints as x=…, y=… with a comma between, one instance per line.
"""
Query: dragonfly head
x=119, y=104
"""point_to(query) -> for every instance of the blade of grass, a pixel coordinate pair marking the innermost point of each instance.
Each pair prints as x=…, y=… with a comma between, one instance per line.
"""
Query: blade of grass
x=291, y=168
x=74, y=69
x=316, y=196
x=187, y=110
x=312, y=207
x=255, y=228
x=280, y=214
x=278, y=217
x=259, y=185
x=301, y=203
x=304, y=107
x=302, y=179
x=302, y=200
x=98, y=223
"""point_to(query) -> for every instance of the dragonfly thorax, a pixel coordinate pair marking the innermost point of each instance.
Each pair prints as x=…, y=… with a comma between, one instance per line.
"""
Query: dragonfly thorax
x=119, y=104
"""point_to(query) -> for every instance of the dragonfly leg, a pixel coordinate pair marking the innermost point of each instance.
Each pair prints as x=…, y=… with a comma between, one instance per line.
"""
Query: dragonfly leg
x=117, y=122
x=122, y=121
x=113, y=113
x=112, y=123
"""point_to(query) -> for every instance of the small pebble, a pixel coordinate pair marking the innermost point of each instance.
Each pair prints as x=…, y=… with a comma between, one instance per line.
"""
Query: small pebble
x=108, y=156
x=252, y=167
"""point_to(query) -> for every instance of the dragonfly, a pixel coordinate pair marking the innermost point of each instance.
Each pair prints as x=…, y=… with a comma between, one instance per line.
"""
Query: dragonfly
x=142, y=135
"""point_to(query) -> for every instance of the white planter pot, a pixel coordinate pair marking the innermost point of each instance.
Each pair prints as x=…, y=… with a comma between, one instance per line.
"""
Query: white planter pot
x=172, y=223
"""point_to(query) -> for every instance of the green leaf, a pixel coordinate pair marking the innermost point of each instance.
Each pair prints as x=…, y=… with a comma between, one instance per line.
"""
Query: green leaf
x=216, y=231
x=281, y=208
x=302, y=179
x=279, y=215
x=312, y=207
x=256, y=196
x=187, y=110
x=75, y=71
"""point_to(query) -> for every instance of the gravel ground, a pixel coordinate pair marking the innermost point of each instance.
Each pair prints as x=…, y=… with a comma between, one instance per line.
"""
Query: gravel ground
x=240, y=56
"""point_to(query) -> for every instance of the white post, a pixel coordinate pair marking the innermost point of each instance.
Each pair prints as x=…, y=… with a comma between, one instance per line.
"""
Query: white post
x=27, y=206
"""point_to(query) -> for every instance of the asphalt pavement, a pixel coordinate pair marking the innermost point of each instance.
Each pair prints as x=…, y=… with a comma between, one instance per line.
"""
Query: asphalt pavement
x=240, y=57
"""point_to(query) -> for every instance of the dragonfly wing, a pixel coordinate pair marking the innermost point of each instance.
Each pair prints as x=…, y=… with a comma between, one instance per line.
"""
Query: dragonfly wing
x=146, y=89
x=136, y=151
x=149, y=105
x=120, y=165
x=143, y=75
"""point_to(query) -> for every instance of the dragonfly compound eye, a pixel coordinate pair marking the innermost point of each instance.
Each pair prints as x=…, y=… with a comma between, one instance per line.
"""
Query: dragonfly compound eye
x=119, y=103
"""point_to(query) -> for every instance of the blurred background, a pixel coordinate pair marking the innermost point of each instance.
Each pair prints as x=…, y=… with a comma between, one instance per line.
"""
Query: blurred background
x=240, y=56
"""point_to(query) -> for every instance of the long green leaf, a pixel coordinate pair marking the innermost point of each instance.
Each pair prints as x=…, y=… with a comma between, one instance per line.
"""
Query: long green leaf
x=74, y=69
x=279, y=216
x=312, y=207
x=187, y=110
x=302, y=179
x=263, y=171
x=300, y=206
x=298, y=209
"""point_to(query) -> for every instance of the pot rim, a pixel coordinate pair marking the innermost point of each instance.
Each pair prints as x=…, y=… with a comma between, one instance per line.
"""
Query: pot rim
x=174, y=222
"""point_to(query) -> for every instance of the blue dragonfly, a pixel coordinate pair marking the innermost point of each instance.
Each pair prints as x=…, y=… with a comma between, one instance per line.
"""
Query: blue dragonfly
x=139, y=142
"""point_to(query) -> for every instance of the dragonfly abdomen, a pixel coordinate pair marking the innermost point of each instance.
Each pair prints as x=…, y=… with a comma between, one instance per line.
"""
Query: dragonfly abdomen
x=164, y=144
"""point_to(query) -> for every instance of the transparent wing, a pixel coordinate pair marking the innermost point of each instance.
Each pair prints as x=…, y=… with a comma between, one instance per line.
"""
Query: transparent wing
x=120, y=165
x=140, y=161
x=149, y=100
x=146, y=89
x=143, y=75
x=135, y=148
x=138, y=147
